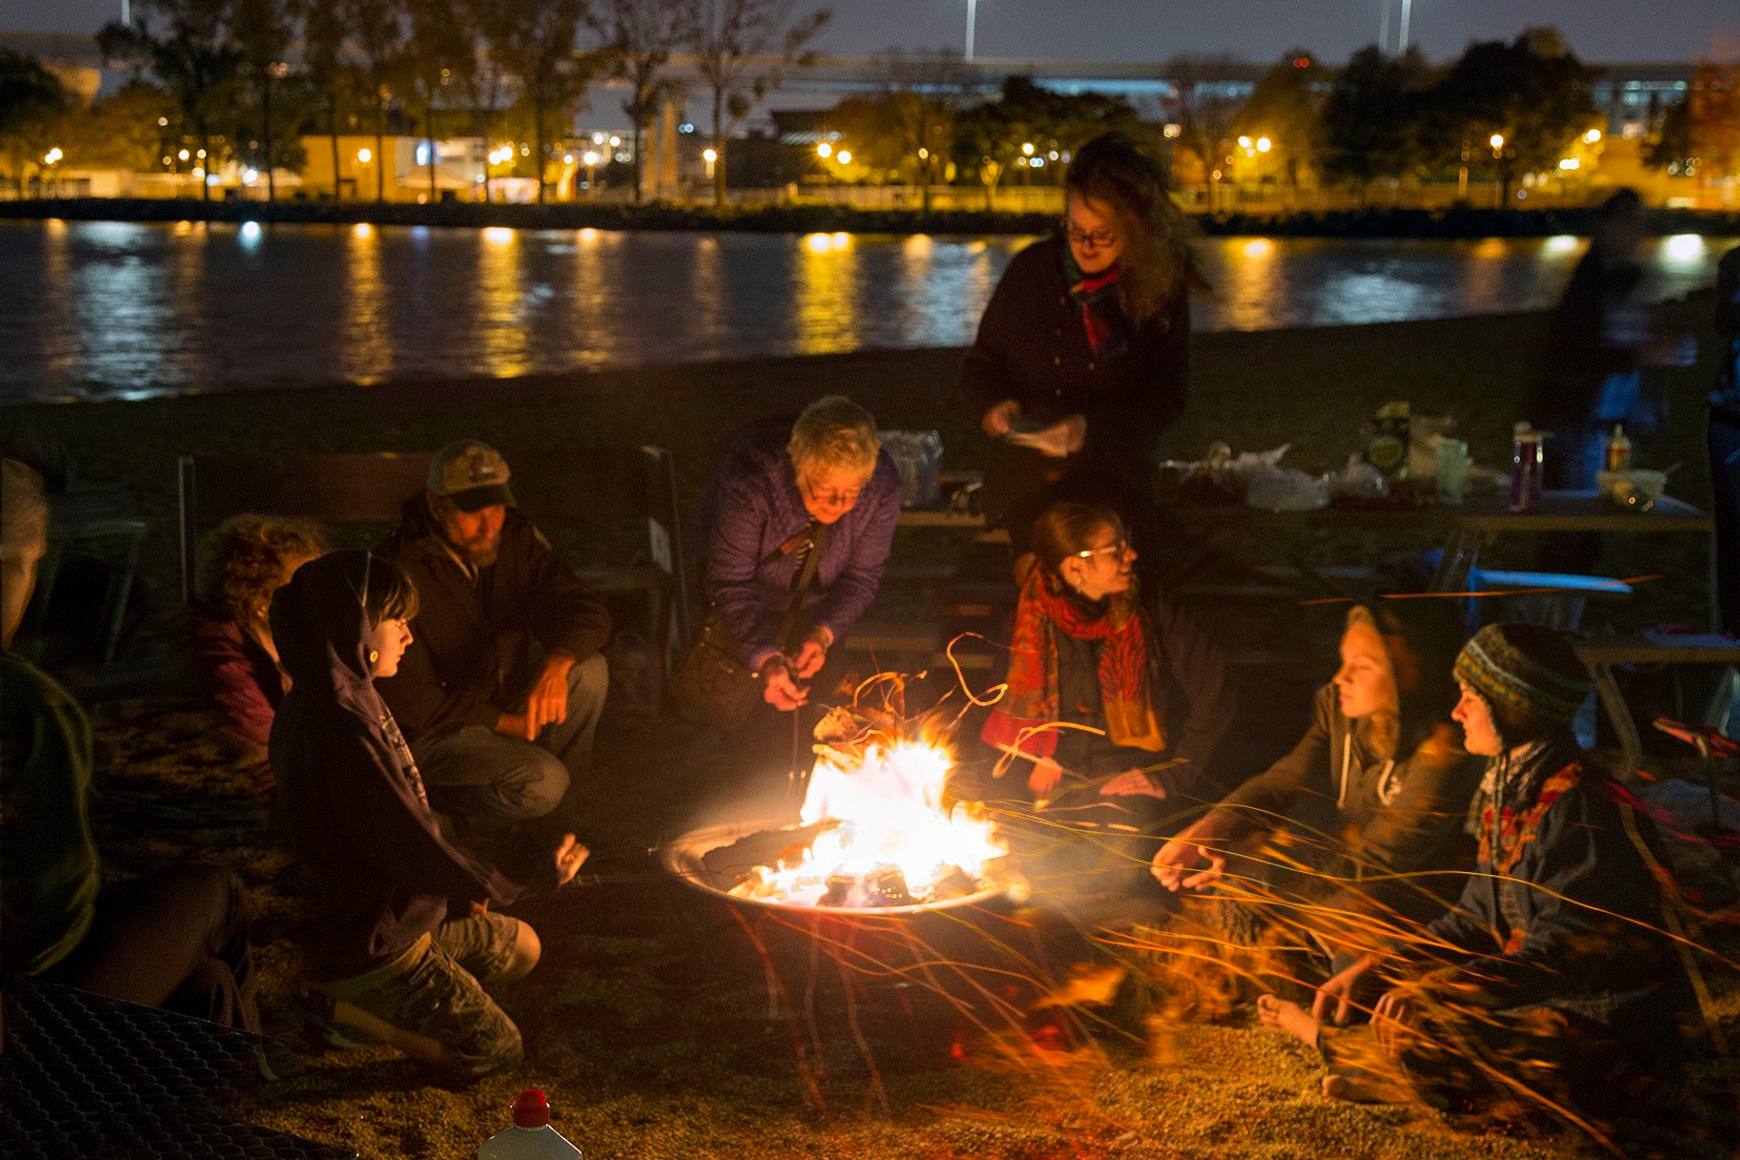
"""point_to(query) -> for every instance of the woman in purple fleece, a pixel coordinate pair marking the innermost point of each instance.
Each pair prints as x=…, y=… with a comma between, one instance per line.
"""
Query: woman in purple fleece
x=821, y=485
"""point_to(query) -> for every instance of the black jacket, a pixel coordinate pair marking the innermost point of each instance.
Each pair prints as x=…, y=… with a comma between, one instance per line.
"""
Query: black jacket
x=1032, y=347
x=473, y=638
x=349, y=795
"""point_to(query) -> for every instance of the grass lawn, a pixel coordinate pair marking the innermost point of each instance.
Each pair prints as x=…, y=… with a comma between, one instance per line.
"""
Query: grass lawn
x=648, y=1021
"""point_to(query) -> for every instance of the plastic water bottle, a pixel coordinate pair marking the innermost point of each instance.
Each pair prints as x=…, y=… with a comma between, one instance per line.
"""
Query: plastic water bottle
x=531, y=1137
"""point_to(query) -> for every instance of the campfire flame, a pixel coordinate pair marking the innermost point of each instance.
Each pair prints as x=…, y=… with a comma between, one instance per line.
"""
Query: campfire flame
x=887, y=838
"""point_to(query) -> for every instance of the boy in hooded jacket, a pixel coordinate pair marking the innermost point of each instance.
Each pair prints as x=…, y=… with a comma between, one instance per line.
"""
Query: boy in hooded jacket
x=386, y=959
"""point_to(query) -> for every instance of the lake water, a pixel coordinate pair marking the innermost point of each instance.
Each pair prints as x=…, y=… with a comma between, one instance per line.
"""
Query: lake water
x=95, y=310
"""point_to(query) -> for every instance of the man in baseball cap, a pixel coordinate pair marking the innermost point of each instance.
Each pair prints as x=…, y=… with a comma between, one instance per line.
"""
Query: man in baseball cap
x=471, y=474
x=500, y=691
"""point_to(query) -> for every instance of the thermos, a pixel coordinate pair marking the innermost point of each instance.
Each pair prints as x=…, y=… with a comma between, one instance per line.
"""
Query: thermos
x=1526, y=461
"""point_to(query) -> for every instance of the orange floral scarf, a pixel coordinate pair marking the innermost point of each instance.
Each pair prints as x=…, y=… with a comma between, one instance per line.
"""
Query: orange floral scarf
x=1126, y=661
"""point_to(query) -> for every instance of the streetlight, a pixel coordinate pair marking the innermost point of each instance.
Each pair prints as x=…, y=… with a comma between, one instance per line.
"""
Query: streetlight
x=1264, y=144
x=1592, y=137
x=844, y=157
x=1497, y=143
x=364, y=156
x=590, y=157
x=824, y=150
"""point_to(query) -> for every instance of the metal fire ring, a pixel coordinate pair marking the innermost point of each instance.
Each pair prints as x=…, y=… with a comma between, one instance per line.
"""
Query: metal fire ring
x=683, y=857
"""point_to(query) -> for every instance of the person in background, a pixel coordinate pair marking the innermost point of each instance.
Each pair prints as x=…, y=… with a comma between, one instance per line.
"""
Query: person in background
x=1552, y=978
x=1082, y=356
x=1724, y=441
x=386, y=960
x=1374, y=798
x=1141, y=695
x=1596, y=347
x=176, y=938
x=231, y=662
x=501, y=689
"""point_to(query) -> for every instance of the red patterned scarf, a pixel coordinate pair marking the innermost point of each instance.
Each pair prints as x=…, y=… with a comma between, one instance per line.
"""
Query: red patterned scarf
x=1126, y=659
x=1096, y=294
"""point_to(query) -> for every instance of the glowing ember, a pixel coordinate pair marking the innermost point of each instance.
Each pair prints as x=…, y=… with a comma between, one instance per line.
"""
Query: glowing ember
x=887, y=840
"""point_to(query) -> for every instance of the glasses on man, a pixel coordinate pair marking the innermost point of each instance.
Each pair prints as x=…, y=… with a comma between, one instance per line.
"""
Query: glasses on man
x=1115, y=550
x=1092, y=239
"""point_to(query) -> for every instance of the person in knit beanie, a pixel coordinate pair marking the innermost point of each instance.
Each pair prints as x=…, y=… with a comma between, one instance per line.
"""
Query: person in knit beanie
x=1528, y=676
x=1552, y=978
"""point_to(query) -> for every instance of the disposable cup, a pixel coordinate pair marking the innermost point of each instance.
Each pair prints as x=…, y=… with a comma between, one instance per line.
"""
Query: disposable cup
x=1452, y=469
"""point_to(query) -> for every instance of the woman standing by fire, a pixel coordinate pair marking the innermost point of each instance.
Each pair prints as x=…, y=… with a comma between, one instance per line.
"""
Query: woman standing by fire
x=1082, y=356
x=1098, y=673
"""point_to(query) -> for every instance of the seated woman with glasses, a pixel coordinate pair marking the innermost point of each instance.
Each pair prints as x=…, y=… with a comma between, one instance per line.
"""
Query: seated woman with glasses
x=1115, y=700
x=1082, y=355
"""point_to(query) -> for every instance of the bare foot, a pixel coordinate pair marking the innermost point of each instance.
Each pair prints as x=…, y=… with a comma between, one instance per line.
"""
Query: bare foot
x=1283, y=1015
x=1364, y=1090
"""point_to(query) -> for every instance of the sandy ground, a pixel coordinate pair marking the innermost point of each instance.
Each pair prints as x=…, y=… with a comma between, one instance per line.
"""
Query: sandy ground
x=649, y=1020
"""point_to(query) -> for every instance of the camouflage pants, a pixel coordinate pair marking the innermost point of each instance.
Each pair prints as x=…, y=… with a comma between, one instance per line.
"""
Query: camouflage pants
x=435, y=989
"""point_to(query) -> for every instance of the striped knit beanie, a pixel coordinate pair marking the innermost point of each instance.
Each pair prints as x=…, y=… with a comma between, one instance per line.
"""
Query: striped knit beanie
x=1529, y=676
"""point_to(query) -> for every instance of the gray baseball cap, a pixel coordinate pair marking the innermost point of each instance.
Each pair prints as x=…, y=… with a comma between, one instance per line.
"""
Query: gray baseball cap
x=471, y=474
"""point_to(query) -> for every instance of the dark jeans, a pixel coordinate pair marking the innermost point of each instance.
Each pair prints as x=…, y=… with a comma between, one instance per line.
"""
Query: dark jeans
x=487, y=783
x=177, y=939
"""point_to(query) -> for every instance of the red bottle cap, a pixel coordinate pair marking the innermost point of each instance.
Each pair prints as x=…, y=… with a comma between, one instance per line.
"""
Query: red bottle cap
x=531, y=1110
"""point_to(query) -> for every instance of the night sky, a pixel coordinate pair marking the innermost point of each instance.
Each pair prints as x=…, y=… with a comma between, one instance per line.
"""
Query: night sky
x=1148, y=30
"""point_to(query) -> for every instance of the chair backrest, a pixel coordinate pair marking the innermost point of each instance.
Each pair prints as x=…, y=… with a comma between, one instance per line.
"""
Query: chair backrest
x=369, y=489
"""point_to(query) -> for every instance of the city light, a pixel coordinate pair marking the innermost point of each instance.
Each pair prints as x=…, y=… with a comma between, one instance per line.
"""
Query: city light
x=1264, y=144
x=615, y=141
x=598, y=138
x=1569, y=163
x=1027, y=148
x=1592, y=136
x=567, y=159
x=52, y=156
x=184, y=155
x=364, y=156
x=1496, y=141
x=709, y=155
x=590, y=158
x=249, y=176
x=845, y=157
x=1245, y=142
x=1172, y=131
x=824, y=150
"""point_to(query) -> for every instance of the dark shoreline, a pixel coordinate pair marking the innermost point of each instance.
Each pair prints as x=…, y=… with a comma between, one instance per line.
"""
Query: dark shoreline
x=1454, y=223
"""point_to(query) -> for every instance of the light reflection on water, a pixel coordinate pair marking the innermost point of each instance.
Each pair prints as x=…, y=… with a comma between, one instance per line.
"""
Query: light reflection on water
x=129, y=310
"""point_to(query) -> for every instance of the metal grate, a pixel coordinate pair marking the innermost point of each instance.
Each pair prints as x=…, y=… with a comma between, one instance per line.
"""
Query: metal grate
x=84, y=1076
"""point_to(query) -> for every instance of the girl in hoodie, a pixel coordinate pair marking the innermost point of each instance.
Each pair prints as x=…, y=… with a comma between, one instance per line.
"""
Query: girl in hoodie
x=1376, y=792
x=386, y=960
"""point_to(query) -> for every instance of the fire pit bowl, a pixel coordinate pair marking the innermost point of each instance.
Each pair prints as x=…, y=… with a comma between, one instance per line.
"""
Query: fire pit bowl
x=713, y=859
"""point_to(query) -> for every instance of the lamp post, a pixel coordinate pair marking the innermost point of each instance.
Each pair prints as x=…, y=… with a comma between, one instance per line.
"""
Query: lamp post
x=590, y=157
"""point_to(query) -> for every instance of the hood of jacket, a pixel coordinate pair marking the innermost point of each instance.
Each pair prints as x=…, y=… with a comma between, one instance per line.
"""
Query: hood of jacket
x=322, y=632
x=1422, y=638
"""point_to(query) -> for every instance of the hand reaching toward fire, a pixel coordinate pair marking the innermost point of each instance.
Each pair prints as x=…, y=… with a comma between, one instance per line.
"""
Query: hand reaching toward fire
x=1185, y=863
x=1045, y=776
x=781, y=691
x=811, y=655
x=570, y=856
